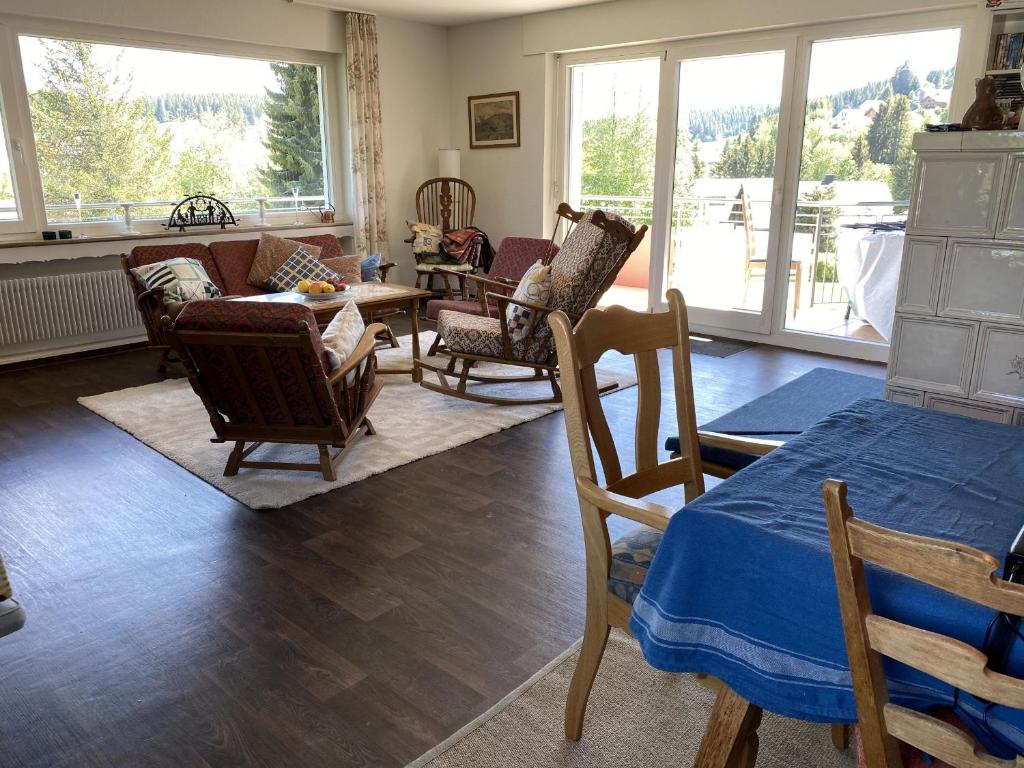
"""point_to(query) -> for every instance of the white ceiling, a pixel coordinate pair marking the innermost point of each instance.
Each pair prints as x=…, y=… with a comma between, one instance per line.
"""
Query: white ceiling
x=449, y=13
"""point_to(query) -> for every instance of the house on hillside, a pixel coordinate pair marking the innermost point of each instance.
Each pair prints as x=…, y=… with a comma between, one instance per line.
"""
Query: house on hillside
x=932, y=98
x=851, y=119
x=870, y=108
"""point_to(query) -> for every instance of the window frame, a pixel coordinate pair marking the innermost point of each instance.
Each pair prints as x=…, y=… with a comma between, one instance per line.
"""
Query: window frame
x=15, y=107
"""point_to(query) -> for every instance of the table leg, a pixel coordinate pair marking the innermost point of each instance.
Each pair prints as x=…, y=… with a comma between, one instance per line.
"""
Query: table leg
x=730, y=740
x=417, y=372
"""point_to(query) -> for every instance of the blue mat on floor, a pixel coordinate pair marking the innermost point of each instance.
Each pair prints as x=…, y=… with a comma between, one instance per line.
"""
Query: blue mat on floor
x=784, y=413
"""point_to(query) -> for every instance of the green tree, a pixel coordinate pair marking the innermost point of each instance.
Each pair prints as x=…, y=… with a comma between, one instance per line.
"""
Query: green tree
x=699, y=166
x=293, y=134
x=91, y=136
x=889, y=130
x=860, y=155
x=941, y=78
x=199, y=170
x=751, y=155
x=809, y=220
x=903, y=170
x=618, y=155
x=904, y=81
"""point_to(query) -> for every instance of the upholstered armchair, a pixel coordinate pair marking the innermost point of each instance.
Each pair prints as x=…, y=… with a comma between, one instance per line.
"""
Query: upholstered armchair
x=263, y=374
x=591, y=256
x=515, y=255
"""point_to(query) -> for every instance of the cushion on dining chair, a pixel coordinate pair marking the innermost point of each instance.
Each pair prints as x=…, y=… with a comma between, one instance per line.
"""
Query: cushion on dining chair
x=631, y=559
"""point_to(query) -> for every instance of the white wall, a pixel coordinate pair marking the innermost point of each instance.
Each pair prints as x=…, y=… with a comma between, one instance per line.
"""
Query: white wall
x=414, y=105
x=259, y=22
x=509, y=181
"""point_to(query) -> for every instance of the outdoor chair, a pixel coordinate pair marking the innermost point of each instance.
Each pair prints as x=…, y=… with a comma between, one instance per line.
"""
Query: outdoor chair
x=590, y=257
x=515, y=255
x=263, y=374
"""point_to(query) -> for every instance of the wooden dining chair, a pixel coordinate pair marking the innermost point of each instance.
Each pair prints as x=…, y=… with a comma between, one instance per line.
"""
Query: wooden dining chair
x=448, y=203
x=615, y=572
x=955, y=568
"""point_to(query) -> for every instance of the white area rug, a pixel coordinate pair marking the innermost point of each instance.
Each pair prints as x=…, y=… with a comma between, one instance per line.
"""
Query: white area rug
x=411, y=423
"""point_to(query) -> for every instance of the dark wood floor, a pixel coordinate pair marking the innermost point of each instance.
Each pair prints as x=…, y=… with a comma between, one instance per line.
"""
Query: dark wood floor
x=171, y=626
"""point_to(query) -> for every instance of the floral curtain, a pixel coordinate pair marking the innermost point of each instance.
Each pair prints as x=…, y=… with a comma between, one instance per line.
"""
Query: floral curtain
x=365, y=125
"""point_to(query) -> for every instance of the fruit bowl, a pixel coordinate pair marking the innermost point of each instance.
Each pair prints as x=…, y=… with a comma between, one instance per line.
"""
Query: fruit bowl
x=321, y=290
x=321, y=296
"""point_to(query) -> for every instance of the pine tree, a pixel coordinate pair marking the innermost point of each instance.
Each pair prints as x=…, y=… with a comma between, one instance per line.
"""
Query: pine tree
x=904, y=81
x=293, y=135
x=903, y=171
x=91, y=136
x=699, y=166
x=887, y=131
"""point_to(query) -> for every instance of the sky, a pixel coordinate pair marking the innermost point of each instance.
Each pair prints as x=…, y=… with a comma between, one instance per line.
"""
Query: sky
x=154, y=72
x=836, y=65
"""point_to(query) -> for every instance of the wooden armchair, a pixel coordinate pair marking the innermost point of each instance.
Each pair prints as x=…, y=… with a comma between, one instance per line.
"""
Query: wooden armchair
x=587, y=264
x=450, y=204
x=263, y=375
x=960, y=570
x=12, y=615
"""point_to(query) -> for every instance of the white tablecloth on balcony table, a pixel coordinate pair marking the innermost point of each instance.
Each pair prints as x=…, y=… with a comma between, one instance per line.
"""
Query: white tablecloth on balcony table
x=869, y=270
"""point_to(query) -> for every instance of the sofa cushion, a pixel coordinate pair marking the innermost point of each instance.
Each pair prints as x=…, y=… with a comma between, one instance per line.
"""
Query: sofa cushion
x=181, y=279
x=300, y=266
x=271, y=252
x=631, y=560
x=234, y=260
x=142, y=255
x=347, y=267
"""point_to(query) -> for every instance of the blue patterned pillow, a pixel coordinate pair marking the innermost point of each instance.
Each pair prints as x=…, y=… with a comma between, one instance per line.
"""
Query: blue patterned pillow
x=369, y=267
x=301, y=265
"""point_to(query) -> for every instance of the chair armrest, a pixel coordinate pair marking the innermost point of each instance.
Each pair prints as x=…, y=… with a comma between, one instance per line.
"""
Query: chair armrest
x=748, y=445
x=156, y=295
x=490, y=281
x=503, y=301
x=645, y=512
x=384, y=269
x=365, y=346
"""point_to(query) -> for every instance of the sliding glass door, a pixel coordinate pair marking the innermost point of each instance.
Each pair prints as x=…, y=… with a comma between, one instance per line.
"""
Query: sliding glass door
x=746, y=156
x=725, y=180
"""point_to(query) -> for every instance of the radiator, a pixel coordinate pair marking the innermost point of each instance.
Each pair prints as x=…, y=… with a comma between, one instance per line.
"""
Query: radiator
x=40, y=309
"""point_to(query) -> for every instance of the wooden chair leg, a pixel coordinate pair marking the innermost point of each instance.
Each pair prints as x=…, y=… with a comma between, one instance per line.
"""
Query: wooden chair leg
x=555, y=389
x=841, y=736
x=595, y=638
x=797, y=285
x=231, y=468
x=391, y=336
x=730, y=740
x=434, y=347
x=326, y=467
x=447, y=287
x=369, y=426
x=464, y=375
x=464, y=287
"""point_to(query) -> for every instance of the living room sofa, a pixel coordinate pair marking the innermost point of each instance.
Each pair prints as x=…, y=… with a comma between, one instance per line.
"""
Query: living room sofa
x=227, y=262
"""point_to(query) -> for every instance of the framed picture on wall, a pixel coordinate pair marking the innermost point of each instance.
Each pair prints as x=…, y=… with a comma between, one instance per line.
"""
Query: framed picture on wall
x=494, y=120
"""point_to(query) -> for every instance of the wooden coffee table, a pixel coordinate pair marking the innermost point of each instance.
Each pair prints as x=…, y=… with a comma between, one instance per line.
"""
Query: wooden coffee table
x=368, y=297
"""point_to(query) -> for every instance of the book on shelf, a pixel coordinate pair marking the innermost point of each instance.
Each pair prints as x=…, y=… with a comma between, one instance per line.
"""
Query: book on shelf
x=1007, y=51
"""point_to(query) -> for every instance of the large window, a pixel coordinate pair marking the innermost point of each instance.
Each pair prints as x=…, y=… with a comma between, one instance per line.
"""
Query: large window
x=8, y=203
x=121, y=132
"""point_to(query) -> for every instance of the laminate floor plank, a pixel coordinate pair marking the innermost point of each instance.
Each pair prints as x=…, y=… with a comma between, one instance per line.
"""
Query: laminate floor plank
x=169, y=625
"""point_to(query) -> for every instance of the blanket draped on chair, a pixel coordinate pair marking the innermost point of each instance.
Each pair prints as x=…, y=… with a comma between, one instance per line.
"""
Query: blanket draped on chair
x=366, y=132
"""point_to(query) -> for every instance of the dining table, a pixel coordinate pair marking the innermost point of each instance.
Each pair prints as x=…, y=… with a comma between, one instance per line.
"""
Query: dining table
x=742, y=587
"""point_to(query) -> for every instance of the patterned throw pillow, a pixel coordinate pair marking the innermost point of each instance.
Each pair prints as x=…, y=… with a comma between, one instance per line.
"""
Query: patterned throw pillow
x=182, y=279
x=342, y=334
x=271, y=253
x=426, y=238
x=370, y=269
x=535, y=287
x=301, y=265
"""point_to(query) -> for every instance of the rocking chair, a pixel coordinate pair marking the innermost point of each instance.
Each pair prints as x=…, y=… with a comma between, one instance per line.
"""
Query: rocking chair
x=590, y=258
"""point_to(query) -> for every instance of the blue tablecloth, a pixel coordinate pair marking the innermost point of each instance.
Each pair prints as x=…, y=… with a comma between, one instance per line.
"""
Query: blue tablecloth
x=742, y=585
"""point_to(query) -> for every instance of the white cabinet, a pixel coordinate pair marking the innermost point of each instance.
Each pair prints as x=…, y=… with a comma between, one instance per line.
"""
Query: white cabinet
x=984, y=280
x=921, y=275
x=932, y=355
x=956, y=193
x=958, y=338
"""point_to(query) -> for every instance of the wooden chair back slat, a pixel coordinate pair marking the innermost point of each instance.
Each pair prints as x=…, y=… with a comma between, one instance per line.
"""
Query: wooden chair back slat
x=446, y=202
x=268, y=371
x=597, y=424
x=955, y=568
x=250, y=398
x=648, y=375
x=944, y=658
x=944, y=741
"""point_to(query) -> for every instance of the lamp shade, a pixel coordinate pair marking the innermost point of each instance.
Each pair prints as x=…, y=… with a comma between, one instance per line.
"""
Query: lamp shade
x=449, y=163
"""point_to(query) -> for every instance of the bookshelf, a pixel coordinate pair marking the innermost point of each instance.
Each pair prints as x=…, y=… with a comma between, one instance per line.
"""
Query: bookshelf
x=1006, y=54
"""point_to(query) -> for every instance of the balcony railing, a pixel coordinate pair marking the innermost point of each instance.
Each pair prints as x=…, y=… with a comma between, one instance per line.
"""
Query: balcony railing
x=254, y=209
x=821, y=220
